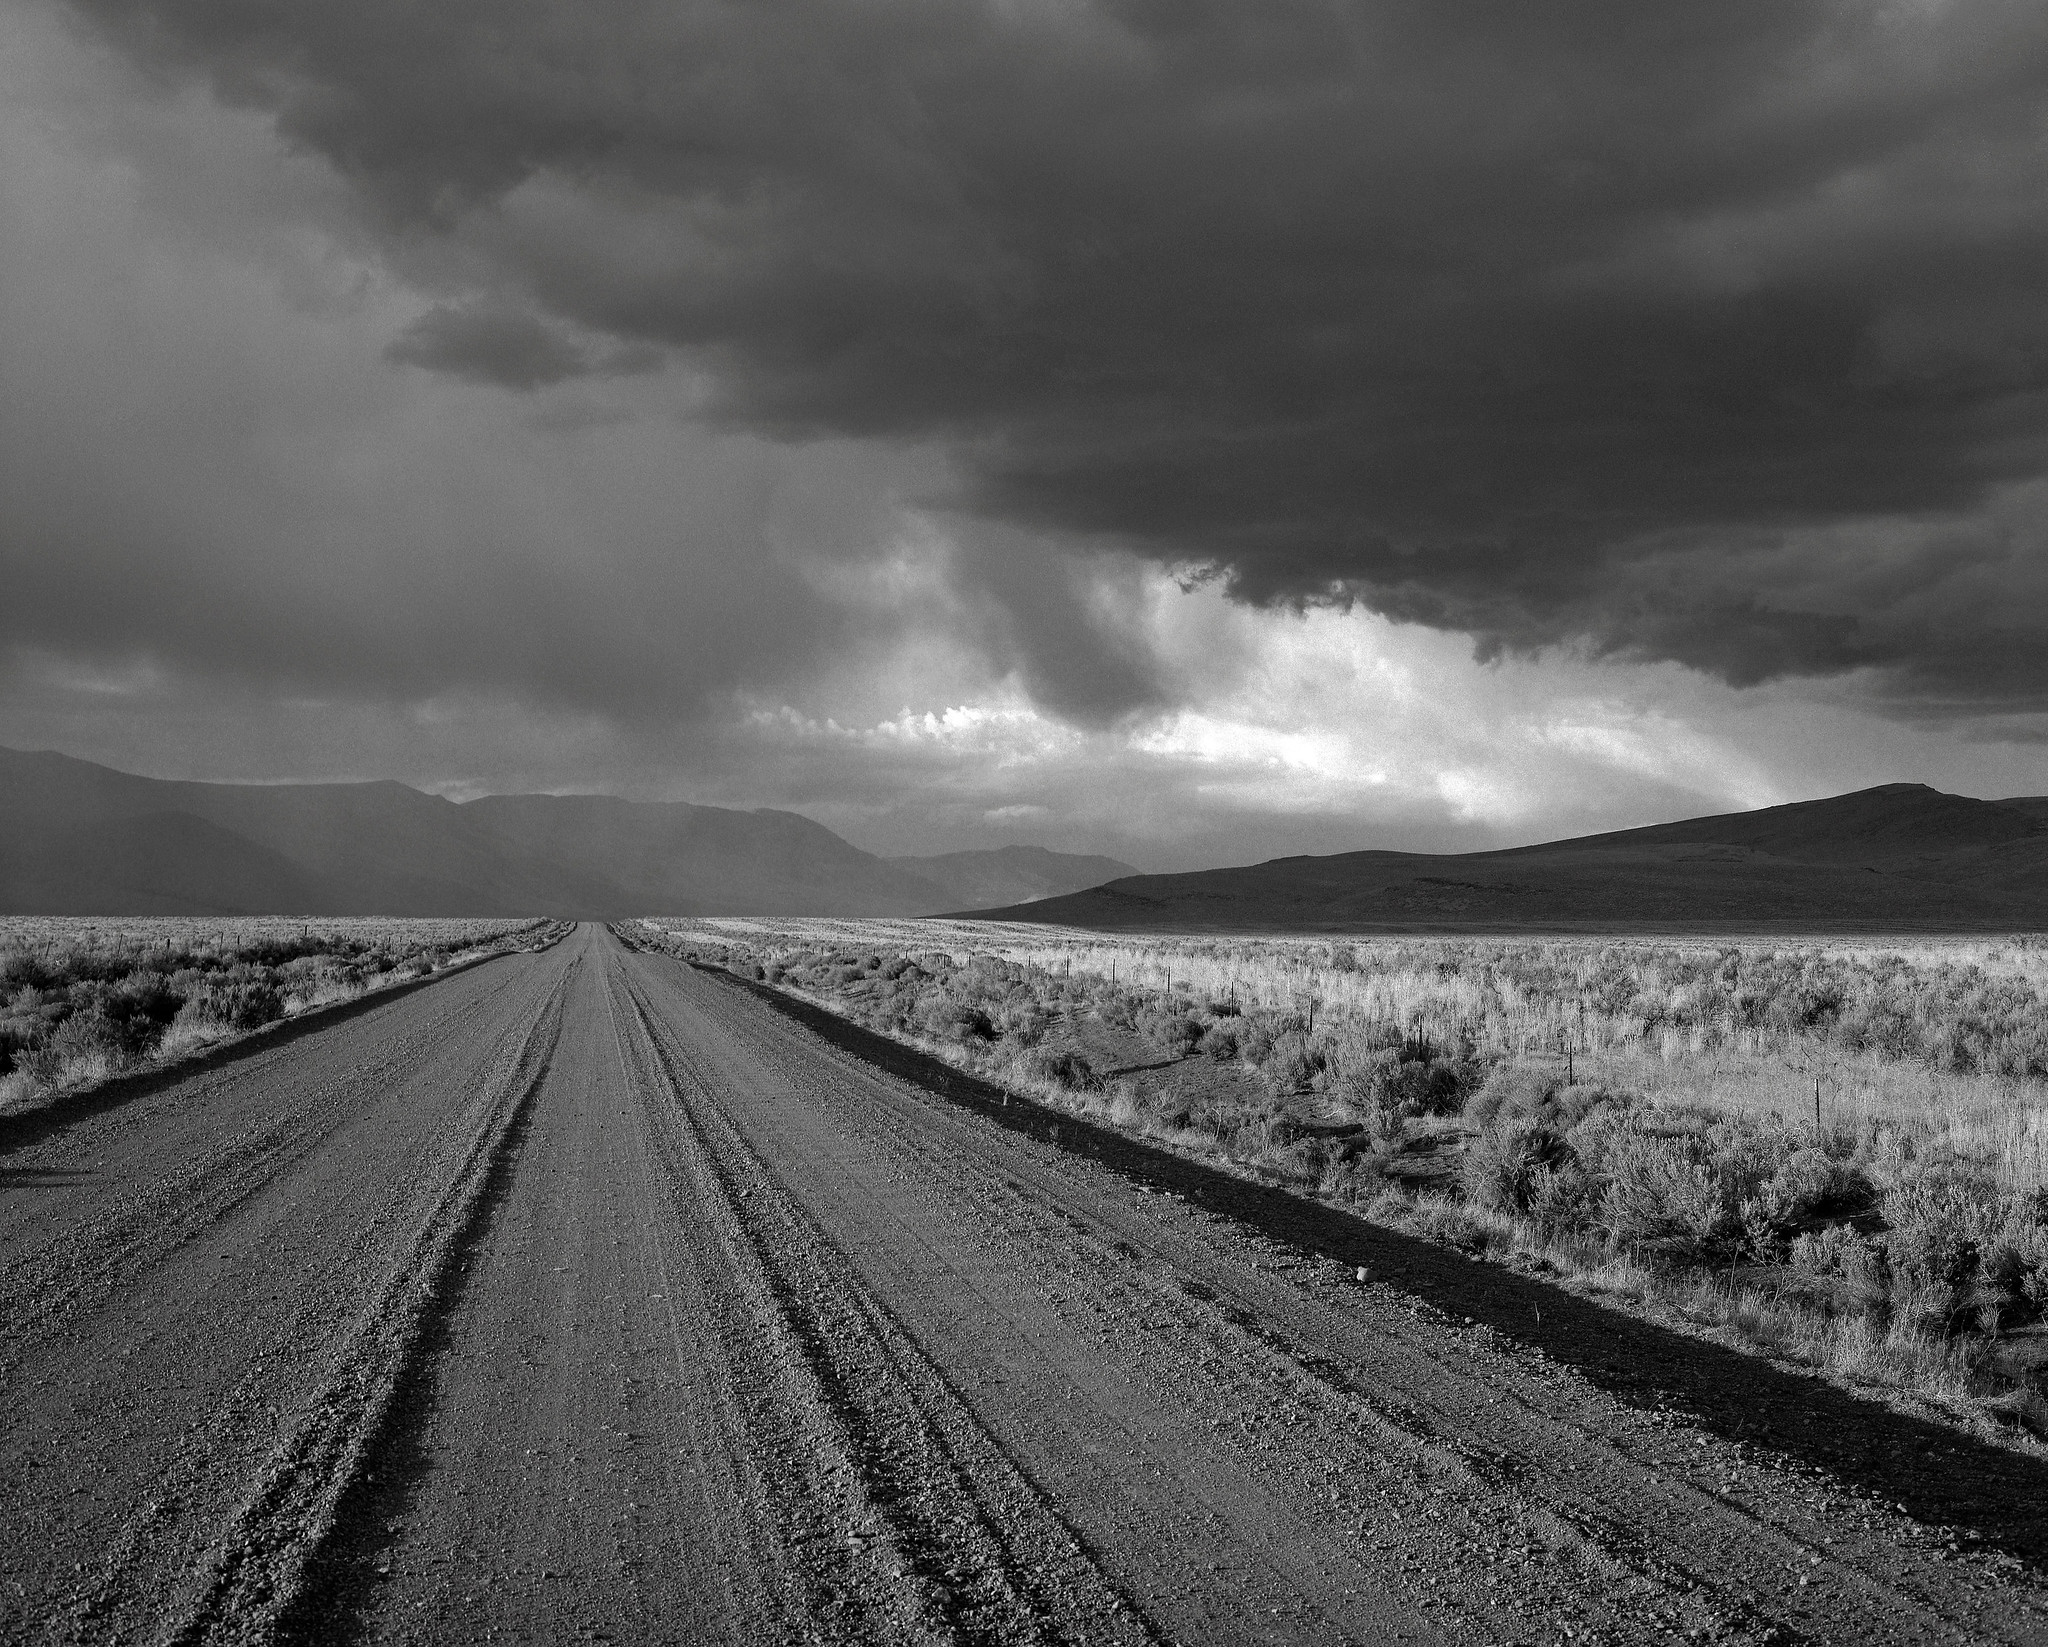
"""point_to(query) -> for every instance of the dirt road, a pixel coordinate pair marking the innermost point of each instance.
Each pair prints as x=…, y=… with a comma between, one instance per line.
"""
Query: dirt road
x=584, y=1296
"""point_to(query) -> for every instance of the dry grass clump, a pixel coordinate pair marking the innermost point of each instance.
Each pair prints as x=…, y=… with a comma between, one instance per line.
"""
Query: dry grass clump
x=81, y=1000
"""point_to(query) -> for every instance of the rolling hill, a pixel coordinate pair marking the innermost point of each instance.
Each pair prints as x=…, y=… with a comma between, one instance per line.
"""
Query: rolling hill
x=1901, y=857
x=81, y=839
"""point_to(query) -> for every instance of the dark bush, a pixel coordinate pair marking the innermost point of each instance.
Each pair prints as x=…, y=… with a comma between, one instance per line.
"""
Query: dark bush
x=239, y=1004
x=1174, y=1032
x=1811, y=1183
x=1368, y=1080
x=1064, y=1067
x=952, y=1020
x=1518, y=1089
x=1295, y=1061
x=90, y=1032
x=1501, y=1164
x=1664, y=1200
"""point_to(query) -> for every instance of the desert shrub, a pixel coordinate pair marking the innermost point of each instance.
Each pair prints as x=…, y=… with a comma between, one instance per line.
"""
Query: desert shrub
x=1064, y=1067
x=26, y=1021
x=1664, y=1200
x=1852, y=1266
x=2011, y=1284
x=1219, y=1042
x=1254, y=1042
x=1962, y=1254
x=1170, y=1110
x=1226, y=1120
x=1809, y=1182
x=1174, y=1032
x=1368, y=1079
x=1520, y=1091
x=1562, y=1198
x=1933, y=1228
x=145, y=996
x=955, y=1020
x=1825, y=1251
x=1520, y=1088
x=1414, y=1087
x=1353, y=1175
x=1747, y=1152
x=1448, y=1084
x=1500, y=1166
x=1305, y=1160
x=237, y=1004
x=88, y=1041
x=1295, y=1061
x=1024, y=1022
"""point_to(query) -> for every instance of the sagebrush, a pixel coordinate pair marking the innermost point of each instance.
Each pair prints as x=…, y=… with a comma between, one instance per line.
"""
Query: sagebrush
x=81, y=999
x=1640, y=1114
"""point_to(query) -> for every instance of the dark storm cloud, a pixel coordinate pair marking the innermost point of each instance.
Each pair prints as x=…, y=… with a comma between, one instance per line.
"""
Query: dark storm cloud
x=489, y=345
x=1703, y=333
x=495, y=343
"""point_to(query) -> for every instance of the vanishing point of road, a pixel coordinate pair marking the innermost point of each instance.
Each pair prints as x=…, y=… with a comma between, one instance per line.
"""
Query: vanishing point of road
x=582, y=1295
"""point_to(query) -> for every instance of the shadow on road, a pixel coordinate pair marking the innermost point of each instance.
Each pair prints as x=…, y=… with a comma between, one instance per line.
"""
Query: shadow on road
x=1934, y=1473
x=42, y=1177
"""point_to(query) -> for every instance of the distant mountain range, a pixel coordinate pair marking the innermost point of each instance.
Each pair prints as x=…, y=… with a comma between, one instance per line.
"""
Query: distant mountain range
x=1898, y=858
x=80, y=839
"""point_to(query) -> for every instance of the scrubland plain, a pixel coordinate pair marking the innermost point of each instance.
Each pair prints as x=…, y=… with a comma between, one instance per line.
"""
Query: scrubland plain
x=85, y=998
x=584, y=1294
x=1833, y=1152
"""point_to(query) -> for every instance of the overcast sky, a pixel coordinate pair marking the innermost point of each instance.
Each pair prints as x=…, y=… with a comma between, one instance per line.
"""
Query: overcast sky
x=1194, y=432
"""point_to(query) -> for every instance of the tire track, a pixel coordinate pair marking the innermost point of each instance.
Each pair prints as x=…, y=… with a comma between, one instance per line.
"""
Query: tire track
x=137, y=1411
x=616, y=1431
x=988, y=1558
x=70, y=1275
x=252, y=1574
x=1506, y=1487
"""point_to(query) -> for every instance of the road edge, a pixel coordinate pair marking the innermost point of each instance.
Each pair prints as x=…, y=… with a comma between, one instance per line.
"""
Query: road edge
x=23, y=1127
x=1936, y=1472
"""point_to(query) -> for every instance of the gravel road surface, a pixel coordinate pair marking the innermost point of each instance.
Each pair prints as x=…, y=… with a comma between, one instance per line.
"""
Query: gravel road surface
x=586, y=1296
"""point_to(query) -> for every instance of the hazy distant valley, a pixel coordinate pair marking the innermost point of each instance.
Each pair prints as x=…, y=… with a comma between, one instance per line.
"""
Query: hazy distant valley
x=80, y=839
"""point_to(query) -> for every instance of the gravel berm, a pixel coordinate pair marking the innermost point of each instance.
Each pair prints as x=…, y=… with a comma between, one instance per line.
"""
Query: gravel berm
x=587, y=1296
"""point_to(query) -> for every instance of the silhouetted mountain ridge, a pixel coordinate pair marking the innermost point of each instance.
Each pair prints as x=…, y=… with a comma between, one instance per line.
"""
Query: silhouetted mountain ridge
x=81, y=839
x=1900, y=857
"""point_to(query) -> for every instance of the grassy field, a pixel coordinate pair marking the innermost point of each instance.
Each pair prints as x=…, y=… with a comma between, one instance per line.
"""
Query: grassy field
x=1834, y=1151
x=84, y=998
